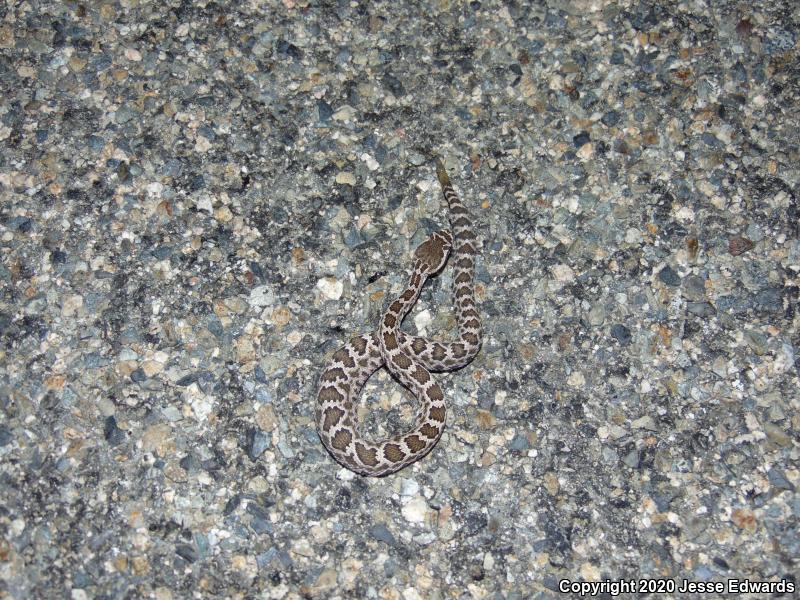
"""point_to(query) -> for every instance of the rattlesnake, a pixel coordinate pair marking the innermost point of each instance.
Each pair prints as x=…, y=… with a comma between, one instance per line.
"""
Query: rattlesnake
x=407, y=357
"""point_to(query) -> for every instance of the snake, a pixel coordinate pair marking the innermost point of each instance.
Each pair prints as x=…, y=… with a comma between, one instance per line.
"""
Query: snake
x=410, y=359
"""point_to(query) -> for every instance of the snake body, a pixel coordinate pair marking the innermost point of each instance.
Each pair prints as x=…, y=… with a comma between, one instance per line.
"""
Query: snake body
x=409, y=358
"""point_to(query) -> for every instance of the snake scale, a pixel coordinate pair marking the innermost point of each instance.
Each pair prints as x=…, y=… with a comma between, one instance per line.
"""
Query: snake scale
x=409, y=358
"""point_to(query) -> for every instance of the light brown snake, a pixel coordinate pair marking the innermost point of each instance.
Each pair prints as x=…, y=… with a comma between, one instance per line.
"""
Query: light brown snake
x=409, y=358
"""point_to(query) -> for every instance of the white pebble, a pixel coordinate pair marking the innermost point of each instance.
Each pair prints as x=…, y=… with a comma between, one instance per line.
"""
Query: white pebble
x=423, y=319
x=633, y=236
x=202, y=407
x=345, y=113
x=132, y=54
x=562, y=273
x=261, y=296
x=576, y=379
x=411, y=594
x=372, y=164
x=409, y=487
x=414, y=511
x=204, y=203
x=330, y=287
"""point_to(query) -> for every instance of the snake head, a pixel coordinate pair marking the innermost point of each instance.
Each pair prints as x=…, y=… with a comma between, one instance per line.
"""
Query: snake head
x=432, y=253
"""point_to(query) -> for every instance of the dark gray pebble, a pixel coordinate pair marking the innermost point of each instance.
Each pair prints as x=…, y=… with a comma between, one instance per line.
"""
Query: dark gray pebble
x=669, y=276
x=621, y=333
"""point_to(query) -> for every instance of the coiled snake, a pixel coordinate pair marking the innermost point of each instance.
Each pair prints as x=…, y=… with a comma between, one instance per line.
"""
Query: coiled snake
x=409, y=358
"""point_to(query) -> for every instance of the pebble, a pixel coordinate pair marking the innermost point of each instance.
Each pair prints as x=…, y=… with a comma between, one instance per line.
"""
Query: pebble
x=409, y=488
x=739, y=245
x=414, y=510
x=345, y=178
x=669, y=276
x=562, y=273
x=422, y=320
x=331, y=288
x=324, y=111
x=261, y=296
x=621, y=333
x=381, y=533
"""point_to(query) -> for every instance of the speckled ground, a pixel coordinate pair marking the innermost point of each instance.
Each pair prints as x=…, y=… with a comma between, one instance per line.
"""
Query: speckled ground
x=200, y=201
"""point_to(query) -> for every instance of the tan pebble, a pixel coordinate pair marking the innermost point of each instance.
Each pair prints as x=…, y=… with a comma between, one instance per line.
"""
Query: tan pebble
x=744, y=518
x=164, y=208
x=237, y=305
x=411, y=593
x=152, y=367
x=590, y=572
x=245, y=351
x=281, y=316
x=204, y=584
x=551, y=483
x=485, y=419
x=586, y=151
x=175, y=473
x=55, y=382
x=345, y=178
x=444, y=514
x=645, y=422
x=527, y=350
x=266, y=418
x=223, y=214
x=126, y=367
x=133, y=54
x=162, y=593
x=140, y=565
x=219, y=308
x=158, y=439
x=350, y=569
x=75, y=449
x=6, y=37
x=77, y=64
x=202, y=144
x=73, y=306
x=345, y=113
x=576, y=379
x=326, y=580
x=650, y=138
x=257, y=485
x=120, y=563
x=562, y=273
x=776, y=435
x=527, y=86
